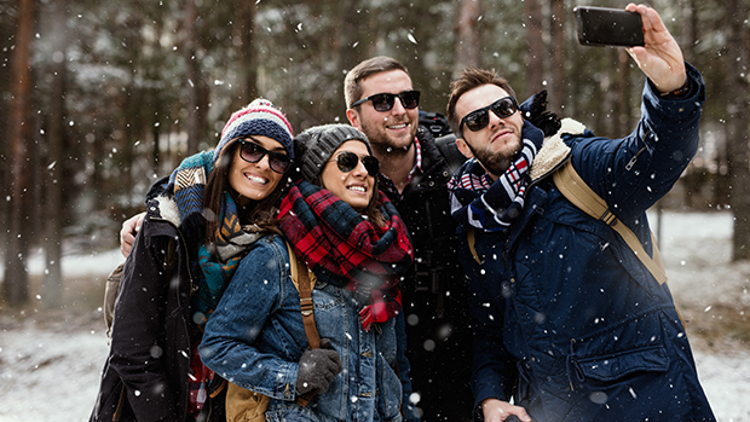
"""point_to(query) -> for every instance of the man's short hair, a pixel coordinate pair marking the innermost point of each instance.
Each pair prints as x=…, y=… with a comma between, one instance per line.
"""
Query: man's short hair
x=467, y=80
x=352, y=90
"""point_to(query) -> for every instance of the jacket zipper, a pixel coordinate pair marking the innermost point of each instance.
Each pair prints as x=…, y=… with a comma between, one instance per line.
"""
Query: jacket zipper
x=634, y=160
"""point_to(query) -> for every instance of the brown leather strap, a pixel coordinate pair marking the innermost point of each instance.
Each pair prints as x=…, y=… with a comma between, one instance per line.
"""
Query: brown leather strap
x=306, y=306
x=120, y=404
x=575, y=189
x=304, y=285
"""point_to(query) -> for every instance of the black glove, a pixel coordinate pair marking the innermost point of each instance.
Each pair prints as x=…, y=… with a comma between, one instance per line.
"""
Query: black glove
x=542, y=118
x=317, y=368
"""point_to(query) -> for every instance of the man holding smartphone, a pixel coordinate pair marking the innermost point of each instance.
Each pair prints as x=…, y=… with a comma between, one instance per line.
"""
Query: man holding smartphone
x=569, y=323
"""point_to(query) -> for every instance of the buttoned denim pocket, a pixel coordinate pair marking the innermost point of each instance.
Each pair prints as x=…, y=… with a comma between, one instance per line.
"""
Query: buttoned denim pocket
x=327, y=296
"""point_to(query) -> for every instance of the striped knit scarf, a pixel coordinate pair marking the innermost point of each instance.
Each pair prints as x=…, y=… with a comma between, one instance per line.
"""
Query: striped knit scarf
x=212, y=266
x=346, y=250
x=477, y=201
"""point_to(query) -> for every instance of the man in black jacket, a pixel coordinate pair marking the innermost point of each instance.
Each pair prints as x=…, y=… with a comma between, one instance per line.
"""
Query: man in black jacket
x=382, y=103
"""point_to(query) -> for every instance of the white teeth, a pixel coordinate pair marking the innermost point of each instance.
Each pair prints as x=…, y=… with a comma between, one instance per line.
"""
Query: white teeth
x=257, y=179
x=401, y=126
x=357, y=188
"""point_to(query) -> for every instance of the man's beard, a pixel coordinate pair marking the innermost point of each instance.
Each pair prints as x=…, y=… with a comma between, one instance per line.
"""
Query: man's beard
x=384, y=145
x=495, y=163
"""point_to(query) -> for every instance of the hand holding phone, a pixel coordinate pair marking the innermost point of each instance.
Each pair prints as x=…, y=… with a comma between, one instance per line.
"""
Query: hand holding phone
x=599, y=26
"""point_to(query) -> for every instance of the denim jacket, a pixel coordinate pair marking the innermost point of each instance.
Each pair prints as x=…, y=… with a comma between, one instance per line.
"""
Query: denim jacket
x=256, y=337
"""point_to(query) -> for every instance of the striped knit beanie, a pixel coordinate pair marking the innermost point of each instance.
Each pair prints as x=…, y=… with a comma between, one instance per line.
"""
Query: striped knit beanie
x=259, y=117
x=317, y=144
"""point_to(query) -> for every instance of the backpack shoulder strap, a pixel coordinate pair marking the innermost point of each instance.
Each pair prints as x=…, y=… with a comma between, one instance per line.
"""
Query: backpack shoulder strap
x=575, y=190
x=471, y=239
x=301, y=279
x=449, y=150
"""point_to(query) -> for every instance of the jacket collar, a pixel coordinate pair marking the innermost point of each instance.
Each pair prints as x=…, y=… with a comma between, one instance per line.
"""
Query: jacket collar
x=554, y=151
x=164, y=208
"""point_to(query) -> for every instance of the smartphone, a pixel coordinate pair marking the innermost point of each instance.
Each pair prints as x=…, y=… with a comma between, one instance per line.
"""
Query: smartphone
x=598, y=26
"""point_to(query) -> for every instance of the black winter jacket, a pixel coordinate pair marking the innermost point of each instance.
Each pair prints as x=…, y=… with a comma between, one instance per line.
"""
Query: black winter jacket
x=145, y=377
x=434, y=289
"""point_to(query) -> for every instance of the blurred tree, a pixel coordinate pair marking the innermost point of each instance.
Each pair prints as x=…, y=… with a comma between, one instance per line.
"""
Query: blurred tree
x=350, y=21
x=8, y=9
x=558, y=43
x=468, y=43
x=196, y=114
x=53, y=189
x=737, y=126
x=16, y=280
x=535, y=48
x=248, y=65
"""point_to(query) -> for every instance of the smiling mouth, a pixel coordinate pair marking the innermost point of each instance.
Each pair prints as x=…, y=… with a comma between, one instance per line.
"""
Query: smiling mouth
x=361, y=189
x=399, y=126
x=256, y=179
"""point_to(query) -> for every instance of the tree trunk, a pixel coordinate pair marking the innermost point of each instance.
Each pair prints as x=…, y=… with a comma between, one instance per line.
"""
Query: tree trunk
x=468, y=45
x=52, y=282
x=16, y=281
x=248, y=53
x=737, y=130
x=349, y=26
x=194, y=77
x=557, y=90
x=534, y=47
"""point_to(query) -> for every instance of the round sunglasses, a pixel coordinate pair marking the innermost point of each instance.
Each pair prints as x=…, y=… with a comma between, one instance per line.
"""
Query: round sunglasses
x=252, y=153
x=480, y=118
x=347, y=161
x=385, y=101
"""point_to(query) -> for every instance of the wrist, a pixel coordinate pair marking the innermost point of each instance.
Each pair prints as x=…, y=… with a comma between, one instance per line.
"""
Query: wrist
x=679, y=92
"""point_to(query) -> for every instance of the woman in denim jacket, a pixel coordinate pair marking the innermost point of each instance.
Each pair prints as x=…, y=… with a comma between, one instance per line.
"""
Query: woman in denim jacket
x=355, y=246
x=153, y=371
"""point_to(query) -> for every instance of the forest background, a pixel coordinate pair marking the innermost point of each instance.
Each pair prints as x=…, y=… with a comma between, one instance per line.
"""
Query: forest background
x=98, y=99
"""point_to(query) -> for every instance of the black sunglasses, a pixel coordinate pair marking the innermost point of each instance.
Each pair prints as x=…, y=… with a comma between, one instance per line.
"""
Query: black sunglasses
x=347, y=161
x=385, y=101
x=252, y=153
x=480, y=118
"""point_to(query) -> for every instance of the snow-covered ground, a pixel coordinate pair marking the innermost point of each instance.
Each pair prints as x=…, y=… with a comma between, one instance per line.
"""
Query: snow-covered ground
x=50, y=361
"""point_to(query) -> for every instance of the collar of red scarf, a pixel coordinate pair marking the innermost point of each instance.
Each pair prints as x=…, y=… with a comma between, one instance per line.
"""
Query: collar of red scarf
x=347, y=250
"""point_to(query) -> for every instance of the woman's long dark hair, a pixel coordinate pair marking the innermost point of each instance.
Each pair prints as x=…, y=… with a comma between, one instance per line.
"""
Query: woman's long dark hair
x=261, y=213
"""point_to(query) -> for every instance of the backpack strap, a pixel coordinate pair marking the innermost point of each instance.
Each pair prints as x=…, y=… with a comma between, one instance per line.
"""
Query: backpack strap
x=449, y=150
x=575, y=190
x=470, y=236
x=301, y=280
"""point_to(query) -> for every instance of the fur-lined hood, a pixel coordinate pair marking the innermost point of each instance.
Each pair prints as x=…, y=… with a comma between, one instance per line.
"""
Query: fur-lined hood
x=165, y=208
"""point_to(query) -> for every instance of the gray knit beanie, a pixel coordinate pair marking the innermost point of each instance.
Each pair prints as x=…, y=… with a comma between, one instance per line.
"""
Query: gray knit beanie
x=316, y=145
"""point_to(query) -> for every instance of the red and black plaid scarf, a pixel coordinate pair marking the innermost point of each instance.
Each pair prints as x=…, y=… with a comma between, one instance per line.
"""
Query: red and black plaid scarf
x=347, y=250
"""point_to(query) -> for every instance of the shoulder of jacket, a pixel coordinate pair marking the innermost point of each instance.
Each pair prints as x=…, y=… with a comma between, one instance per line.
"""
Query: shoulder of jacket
x=164, y=208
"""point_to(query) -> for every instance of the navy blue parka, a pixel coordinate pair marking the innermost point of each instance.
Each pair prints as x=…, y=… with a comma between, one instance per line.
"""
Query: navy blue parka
x=566, y=318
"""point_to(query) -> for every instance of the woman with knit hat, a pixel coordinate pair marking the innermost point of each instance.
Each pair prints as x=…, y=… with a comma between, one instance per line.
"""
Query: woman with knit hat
x=355, y=246
x=216, y=206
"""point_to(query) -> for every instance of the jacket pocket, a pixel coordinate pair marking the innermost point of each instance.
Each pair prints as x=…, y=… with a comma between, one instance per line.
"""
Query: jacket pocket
x=612, y=367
